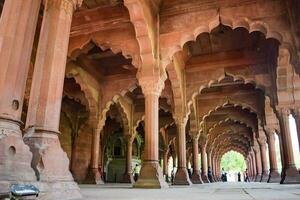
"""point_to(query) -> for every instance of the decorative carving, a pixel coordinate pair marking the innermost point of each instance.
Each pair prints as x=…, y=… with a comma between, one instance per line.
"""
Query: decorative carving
x=151, y=85
x=67, y=5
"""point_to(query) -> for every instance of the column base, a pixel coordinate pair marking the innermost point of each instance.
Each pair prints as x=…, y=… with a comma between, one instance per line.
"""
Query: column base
x=127, y=178
x=196, y=177
x=151, y=176
x=205, y=179
x=182, y=177
x=264, y=177
x=94, y=177
x=51, y=165
x=274, y=177
x=292, y=176
x=257, y=178
x=15, y=156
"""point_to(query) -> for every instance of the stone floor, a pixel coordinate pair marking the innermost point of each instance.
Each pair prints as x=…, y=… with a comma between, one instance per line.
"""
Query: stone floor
x=213, y=191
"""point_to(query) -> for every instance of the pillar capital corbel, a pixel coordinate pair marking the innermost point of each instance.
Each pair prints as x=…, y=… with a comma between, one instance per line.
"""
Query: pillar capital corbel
x=151, y=85
x=262, y=140
x=180, y=120
x=67, y=5
x=286, y=111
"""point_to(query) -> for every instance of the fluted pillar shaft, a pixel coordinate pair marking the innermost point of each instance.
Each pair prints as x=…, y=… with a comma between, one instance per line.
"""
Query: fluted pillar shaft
x=151, y=175
x=94, y=176
x=263, y=151
x=258, y=164
x=127, y=177
x=166, y=163
x=196, y=176
x=274, y=175
x=204, y=164
x=42, y=123
x=254, y=165
x=296, y=115
x=181, y=177
x=290, y=173
x=17, y=29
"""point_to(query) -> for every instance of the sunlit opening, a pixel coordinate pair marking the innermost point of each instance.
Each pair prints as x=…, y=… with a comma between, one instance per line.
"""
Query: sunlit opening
x=233, y=163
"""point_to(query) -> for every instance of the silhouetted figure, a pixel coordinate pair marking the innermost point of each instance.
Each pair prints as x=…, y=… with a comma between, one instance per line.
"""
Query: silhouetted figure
x=223, y=175
x=190, y=173
x=239, y=177
x=247, y=176
x=135, y=171
x=209, y=174
x=172, y=176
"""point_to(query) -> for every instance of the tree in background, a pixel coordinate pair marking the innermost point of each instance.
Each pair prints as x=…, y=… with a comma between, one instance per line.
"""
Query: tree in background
x=233, y=161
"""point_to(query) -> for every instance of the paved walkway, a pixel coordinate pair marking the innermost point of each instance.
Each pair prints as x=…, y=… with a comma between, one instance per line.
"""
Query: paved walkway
x=213, y=191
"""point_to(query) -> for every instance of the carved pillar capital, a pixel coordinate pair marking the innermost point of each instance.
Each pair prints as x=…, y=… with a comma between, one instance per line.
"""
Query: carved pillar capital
x=151, y=85
x=67, y=5
x=284, y=111
x=262, y=141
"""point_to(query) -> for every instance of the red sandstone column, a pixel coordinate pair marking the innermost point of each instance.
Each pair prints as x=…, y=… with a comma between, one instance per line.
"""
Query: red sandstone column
x=281, y=154
x=128, y=178
x=151, y=175
x=296, y=115
x=249, y=166
x=274, y=176
x=94, y=174
x=258, y=163
x=209, y=162
x=215, y=177
x=263, y=149
x=196, y=177
x=204, y=164
x=166, y=163
x=17, y=29
x=290, y=172
x=253, y=165
x=181, y=177
x=50, y=162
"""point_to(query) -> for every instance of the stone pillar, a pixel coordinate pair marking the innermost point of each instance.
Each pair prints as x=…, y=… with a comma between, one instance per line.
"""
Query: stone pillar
x=274, y=176
x=253, y=165
x=281, y=154
x=290, y=172
x=128, y=178
x=166, y=164
x=249, y=167
x=258, y=163
x=296, y=115
x=204, y=164
x=209, y=163
x=181, y=177
x=17, y=29
x=196, y=177
x=151, y=175
x=174, y=161
x=215, y=178
x=94, y=176
x=50, y=162
x=263, y=151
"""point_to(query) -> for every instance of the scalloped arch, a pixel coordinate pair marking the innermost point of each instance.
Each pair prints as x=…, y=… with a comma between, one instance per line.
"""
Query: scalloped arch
x=114, y=100
x=115, y=48
x=93, y=105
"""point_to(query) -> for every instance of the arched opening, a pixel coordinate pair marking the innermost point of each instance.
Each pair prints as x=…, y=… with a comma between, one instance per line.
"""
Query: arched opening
x=233, y=163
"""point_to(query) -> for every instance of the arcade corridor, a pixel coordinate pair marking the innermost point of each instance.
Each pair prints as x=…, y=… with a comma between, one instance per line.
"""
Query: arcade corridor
x=150, y=94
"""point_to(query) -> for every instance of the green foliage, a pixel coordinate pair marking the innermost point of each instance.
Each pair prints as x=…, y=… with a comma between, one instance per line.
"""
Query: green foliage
x=233, y=161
